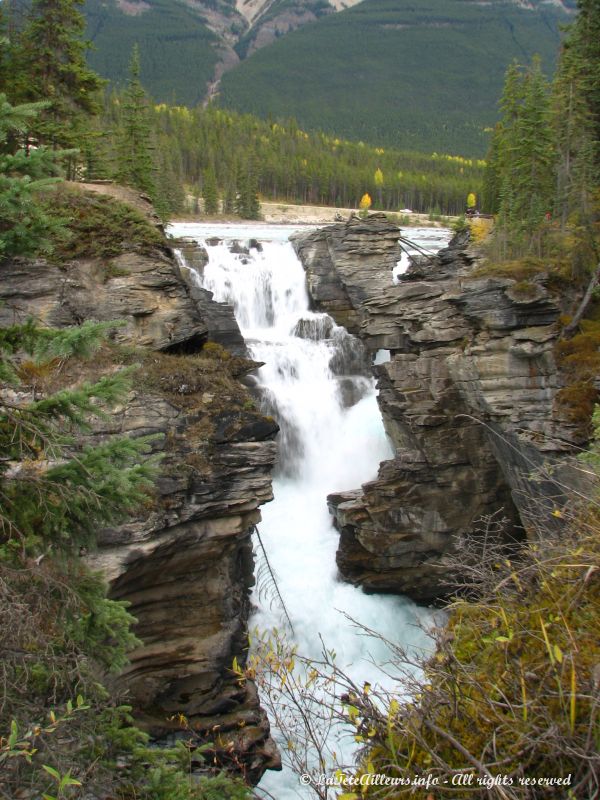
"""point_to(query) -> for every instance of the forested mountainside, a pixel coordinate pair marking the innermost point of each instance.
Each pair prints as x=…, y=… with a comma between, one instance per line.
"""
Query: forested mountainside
x=187, y=44
x=423, y=76
x=370, y=59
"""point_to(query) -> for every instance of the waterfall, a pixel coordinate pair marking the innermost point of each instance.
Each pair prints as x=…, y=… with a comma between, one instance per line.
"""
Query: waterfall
x=316, y=382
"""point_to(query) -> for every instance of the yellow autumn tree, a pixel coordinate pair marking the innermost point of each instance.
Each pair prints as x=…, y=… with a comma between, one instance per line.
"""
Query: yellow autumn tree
x=378, y=178
x=365, y=204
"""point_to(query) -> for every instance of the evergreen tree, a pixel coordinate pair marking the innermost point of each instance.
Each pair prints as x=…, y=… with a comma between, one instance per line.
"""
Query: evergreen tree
x=378, y=181
x=229, y=198
x=247, y=203
x=134, y=159
x=57, y=72
x=209, y=192
x=51, y=495
x=25, y=228
x=520, y=173
x=577, y=113
x=94, y=153
x=4, y=51
x=493, y=174
x=170, y=196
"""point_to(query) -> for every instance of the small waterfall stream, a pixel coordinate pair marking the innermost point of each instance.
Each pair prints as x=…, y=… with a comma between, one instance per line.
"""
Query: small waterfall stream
x=315, y=383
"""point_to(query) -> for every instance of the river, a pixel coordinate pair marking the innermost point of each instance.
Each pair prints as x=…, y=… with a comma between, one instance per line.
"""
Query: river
x=332, y=438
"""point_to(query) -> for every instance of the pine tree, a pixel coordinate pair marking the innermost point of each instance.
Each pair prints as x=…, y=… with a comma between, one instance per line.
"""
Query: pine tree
x=492, y=177
x=229, y=198
x=5, y=70
x=95, y=153
x=378, y=181
x=134, y=161
x=532, y=152
x=57, y=72
x=247, y=204
x=577, y=113
x=25, y=228
x=520, y=169
x=53, y=496
x=209, y=192
x=169, y=198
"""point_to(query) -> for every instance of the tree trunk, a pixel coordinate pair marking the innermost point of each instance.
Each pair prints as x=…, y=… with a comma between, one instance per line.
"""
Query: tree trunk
x=570, y=329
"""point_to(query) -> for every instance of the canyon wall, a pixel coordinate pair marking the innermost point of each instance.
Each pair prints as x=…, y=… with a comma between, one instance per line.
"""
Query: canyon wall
x=184, y=562
x=468, y=399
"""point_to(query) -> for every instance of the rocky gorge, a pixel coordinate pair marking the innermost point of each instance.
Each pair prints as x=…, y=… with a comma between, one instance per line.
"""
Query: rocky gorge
x=470, y=397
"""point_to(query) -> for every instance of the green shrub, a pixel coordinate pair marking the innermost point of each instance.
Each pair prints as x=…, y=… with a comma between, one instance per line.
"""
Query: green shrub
x=100, y=227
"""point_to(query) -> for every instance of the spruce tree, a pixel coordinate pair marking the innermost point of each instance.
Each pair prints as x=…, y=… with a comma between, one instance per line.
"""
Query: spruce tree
x=577, y=113
x=170, y=194
x=519, y=181
x=134, y=159
x=247, y=203
x=4, y=51
x=25, y=228
x=209, y=192
x=53, y=54
x=493, y=174
x=378, y=181
x=229, y=198
x=54, y=495
x=532, y=153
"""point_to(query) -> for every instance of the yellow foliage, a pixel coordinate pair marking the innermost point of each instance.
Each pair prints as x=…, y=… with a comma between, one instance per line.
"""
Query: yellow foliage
x=365, y=202
x=481, y=227
x=509, y=685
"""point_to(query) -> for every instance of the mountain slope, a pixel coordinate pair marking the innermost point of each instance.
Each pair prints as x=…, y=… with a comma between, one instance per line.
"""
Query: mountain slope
x=178, y=51
x=186, y=45
x=424, y=75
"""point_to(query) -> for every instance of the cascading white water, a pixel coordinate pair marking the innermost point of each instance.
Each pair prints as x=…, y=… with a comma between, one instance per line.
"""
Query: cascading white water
x=332, y=439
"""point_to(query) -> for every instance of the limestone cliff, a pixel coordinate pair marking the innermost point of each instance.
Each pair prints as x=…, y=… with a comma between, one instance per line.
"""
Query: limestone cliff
x=468, y=397
x=184, y=562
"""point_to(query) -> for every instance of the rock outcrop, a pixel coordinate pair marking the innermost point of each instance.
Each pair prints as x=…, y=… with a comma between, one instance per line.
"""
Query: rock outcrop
x=468, y=399
x=143, y=291
x=184, y=563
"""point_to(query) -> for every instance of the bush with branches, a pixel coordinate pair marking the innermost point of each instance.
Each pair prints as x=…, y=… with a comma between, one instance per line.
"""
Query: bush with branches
x=506, y=708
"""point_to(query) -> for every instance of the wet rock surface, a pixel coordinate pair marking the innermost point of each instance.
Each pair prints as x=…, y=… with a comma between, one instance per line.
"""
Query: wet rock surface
x=467, y=398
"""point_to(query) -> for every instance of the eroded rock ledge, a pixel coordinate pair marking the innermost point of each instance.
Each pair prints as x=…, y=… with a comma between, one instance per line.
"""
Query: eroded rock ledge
x=468, y=400
x=185, y=562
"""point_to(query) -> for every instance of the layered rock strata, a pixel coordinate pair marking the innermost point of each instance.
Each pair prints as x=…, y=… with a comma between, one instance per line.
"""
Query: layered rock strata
x=467, y=397
x=184, y=563
x=142, y=291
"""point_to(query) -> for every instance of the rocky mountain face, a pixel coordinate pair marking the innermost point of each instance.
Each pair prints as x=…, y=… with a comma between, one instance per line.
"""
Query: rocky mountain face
x=468, y=399
x=187, y=46
x=184, y=563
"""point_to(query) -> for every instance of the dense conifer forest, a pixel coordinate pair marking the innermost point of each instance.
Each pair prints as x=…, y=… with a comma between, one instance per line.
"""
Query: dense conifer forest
x=197, y=148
